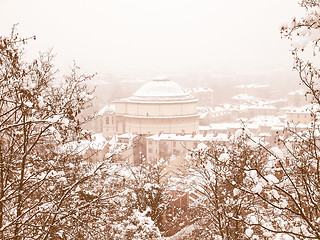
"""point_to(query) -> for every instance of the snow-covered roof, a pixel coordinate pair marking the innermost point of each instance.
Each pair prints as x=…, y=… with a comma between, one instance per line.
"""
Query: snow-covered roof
x=189, y=137
x=262, y=107
x=161, y=89
x=97, y=143
x=266, y=120
x=203, y=112
x=253, y=85
x=199, y=90
x=160, y=117
x=127, y=135
x=302, y=109
x=108, y=108
x=243, y=97
x=300, y=92
x=204, y=128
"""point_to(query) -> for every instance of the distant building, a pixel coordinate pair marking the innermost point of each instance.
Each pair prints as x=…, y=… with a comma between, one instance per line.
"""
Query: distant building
x=105, y=121
x=93, y=150
x=297, y=98
x=126, y=149
x=256, y=90
x=158, y=106
x=300, y=115
x=263, y=110
x=165, y=145
x=204, y=94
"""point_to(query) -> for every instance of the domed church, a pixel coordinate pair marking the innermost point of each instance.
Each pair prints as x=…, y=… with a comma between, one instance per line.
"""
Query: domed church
x=159, y=106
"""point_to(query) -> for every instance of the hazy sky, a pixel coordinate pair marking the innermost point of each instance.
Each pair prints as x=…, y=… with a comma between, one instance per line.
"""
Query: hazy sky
x=119, y=34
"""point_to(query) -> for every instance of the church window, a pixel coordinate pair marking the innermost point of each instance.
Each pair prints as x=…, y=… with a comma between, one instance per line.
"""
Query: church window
x=107, y=120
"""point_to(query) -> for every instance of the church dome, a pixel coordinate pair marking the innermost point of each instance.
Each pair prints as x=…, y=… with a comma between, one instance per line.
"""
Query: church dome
x=160, y=105
x=161, y=90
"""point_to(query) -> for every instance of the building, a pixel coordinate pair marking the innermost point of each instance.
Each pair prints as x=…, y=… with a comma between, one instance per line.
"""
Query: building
x=302, y=115
x=256, y=90
x=93, y=150
x=298, y=98
x=105, y=121
x=166, y=145
x=158, y=106
x=205, y=95
x=126, y=149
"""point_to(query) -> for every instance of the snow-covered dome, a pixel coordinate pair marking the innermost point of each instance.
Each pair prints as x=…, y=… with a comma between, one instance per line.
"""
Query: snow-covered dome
x=160, y=105
x=161, y=89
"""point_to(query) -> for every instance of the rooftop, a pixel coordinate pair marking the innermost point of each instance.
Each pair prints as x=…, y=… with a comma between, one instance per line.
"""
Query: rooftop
x=159, y=90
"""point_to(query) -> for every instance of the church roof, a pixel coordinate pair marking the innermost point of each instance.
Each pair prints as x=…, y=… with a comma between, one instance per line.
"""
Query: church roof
x=159, y=90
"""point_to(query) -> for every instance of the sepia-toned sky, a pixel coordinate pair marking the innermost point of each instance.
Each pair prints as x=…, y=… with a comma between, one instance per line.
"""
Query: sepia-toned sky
x=233, y=35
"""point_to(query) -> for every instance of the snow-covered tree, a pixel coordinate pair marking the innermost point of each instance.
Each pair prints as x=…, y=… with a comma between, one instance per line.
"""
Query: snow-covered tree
x=151, y=190
x=219, y=206
x=41, y=181
x=271, y=193
x=304, y=34
x=247, y=191
x=116, y=215
x=47, y=189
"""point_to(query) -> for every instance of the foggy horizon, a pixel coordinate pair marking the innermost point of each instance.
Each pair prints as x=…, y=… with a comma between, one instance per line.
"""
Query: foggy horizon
x=115, y=36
